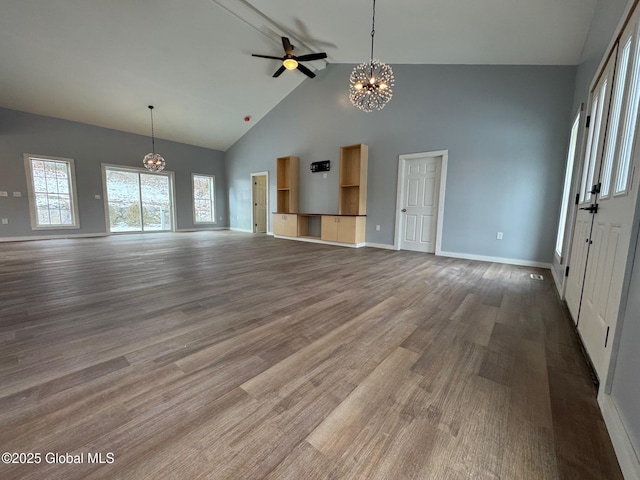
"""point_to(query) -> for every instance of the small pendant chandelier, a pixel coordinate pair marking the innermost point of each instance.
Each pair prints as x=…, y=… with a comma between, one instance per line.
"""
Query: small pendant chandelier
x=153, y=161
x=370, y=83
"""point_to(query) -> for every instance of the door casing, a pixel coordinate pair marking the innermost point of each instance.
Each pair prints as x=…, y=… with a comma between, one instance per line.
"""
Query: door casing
x=402, y=159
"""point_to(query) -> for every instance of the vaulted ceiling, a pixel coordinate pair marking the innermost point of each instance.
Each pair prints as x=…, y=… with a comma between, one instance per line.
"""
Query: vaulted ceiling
x=103, y=62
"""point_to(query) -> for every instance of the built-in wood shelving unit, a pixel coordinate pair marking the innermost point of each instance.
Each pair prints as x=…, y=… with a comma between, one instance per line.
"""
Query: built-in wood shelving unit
x=352, y=197
x=288, y=175
x=348, y=227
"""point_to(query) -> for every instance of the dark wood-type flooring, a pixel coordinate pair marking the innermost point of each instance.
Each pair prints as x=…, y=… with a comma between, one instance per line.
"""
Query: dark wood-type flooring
x=221, y=355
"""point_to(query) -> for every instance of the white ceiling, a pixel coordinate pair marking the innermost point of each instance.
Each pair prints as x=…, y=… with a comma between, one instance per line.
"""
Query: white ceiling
x=103, y=62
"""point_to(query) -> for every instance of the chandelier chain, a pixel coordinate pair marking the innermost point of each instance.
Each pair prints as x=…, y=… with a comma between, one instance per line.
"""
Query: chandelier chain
x=371, y=83
x=153, y=161
x=373, y=27
x=153, y=140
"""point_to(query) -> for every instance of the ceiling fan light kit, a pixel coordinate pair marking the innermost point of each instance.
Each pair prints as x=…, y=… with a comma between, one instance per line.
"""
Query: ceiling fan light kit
x=291, y=61
x=290, y=64
x=370, y=83
x=153, y=161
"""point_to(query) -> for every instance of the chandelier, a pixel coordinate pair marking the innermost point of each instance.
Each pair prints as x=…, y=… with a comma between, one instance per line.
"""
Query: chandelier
x=370, y=82
x=153, y=161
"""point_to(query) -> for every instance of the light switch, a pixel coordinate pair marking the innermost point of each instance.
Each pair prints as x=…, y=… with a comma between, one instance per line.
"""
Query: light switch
x=97, y=197
x=5, y=221
x=17, y=194
x=4, y=194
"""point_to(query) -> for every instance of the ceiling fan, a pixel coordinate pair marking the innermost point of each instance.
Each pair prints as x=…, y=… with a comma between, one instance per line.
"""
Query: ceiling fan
x=291, y=61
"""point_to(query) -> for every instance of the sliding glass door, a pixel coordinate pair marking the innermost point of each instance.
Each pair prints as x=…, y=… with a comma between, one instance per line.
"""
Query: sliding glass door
x=138, y=201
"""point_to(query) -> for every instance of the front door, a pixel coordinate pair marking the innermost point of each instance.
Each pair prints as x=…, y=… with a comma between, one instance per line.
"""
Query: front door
x=616, y=200
x=598, y=112
x=420, y=195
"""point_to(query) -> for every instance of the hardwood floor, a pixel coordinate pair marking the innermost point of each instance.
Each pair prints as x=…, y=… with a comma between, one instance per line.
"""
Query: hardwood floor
x=220, y=355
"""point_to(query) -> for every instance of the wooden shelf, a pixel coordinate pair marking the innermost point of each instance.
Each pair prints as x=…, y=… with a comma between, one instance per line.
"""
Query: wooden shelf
x=287, y=174
x=352, y=199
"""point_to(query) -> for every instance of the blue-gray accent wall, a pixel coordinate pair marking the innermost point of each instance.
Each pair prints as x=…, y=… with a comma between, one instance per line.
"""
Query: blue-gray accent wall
x=90, y=146
x=505, y=127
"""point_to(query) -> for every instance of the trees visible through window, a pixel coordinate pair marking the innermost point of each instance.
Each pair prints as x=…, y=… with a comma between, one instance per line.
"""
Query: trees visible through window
x=204, y=199
x=51, y=192
x=138, y=201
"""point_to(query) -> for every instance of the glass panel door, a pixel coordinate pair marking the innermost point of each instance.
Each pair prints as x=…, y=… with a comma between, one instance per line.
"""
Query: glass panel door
x=123, y=194
x=156, y=202
x=138, y=201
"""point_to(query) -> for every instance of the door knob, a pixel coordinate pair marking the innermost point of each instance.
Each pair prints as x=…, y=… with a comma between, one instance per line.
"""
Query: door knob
x=403, y=210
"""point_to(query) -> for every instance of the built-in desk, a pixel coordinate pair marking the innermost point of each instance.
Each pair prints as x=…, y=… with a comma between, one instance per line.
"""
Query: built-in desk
x=321, y=227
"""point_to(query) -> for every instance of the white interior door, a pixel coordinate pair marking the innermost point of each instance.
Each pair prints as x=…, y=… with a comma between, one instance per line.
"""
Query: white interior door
x=611, y=232
x=598, y=112
x=420, y=196
x=260, y=204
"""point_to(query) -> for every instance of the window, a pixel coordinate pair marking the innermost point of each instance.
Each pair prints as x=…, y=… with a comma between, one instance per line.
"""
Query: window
x=629, y=117
x=52, y=199
x=567, y=185
x=204, y=203
x=591, y=158
x=138, y=201
x=614, y=119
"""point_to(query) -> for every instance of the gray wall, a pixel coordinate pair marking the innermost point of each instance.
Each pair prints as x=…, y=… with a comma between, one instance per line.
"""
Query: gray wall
x=606, y=17
x=91, y=146
x=505, y=128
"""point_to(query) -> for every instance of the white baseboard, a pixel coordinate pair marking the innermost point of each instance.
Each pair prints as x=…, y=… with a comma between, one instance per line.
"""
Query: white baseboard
x=323, y=242
x=557, y=281
x=380, y=245
x=483, y=258
x=209, y=229
x=52, y=237
x=243, y=230
x=627, y=458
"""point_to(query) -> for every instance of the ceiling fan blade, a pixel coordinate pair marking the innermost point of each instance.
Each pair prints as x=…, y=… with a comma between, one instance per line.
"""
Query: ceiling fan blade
x=279, y=72
x=311, y=56
x=266, y=56
x=305, y=70
x=287, y=46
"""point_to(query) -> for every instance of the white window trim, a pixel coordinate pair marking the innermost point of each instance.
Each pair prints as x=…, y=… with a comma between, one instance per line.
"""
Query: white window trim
x=32, y=196
x=213, y=200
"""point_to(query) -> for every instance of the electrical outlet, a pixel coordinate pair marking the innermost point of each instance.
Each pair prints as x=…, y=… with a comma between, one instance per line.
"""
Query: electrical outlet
x=17, y=194
x=220, y=218
x=5, y=221
x=324, y=175
x=499, y=235
x=4, y=194
x=96, y=196
x=378, y=228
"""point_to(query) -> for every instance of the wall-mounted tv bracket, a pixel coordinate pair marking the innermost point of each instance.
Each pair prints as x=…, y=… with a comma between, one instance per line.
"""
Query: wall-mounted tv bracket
x=323, y=166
